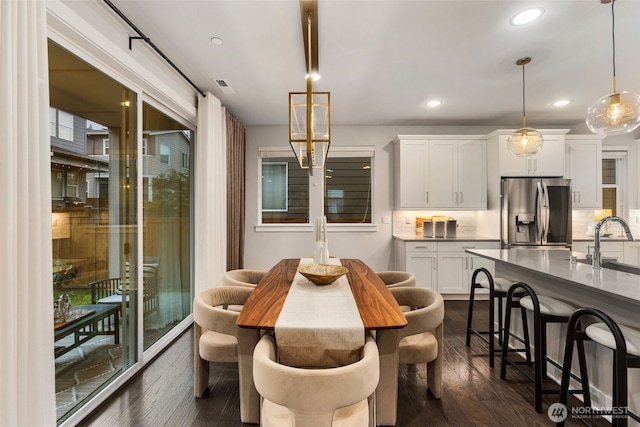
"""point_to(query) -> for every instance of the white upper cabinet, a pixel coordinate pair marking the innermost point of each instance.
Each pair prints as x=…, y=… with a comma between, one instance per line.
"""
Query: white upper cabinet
x=549, y=161
x=411, y=163
x=440, y=172
x=584, y=168
x=472, y=170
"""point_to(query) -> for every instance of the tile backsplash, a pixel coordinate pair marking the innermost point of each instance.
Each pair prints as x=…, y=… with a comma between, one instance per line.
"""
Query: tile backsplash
x=584, y=218
x=404, y=222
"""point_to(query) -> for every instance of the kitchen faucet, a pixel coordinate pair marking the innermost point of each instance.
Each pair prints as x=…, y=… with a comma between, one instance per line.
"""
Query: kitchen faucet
x=597, y=259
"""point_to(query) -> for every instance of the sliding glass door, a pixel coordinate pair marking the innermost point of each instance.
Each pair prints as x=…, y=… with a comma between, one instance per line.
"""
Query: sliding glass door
x=166, y=171
x=122, y=275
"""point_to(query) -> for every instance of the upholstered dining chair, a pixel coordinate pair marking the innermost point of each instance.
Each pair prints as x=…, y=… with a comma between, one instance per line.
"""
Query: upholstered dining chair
x=421, y=341
x=217, y=338
x=243, y=277
x=341, y=396
x=397, y=279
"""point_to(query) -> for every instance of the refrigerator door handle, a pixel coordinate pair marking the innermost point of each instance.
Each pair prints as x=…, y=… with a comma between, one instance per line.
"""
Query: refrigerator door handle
x=546, y=212
x=540, y=214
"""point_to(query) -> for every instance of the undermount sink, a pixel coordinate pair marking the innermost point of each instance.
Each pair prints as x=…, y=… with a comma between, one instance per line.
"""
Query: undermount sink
x=612, y=264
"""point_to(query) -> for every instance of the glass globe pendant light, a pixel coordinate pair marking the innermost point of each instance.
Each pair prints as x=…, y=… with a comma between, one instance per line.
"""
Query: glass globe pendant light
x=617, y=112
x=524, y=141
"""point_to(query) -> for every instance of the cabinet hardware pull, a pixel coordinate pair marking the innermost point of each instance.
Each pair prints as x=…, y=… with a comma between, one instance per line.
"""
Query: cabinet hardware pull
x=471, y=263
x=427, y=197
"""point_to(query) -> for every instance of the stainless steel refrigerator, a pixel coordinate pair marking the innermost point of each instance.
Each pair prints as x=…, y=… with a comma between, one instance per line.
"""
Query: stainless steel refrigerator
x=535, y=212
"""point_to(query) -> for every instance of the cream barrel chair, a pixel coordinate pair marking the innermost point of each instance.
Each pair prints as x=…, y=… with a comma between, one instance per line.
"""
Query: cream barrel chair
x=421, y=341
x=302, y=397
x=397, y=279
x=243, y=277
x=217, y=338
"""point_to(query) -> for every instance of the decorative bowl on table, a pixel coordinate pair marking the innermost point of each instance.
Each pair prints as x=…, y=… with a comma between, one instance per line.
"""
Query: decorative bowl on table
x=322, y=274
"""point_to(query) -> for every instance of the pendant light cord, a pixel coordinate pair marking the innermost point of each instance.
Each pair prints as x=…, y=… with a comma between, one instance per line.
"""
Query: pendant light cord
x=524, y=120
x=613, y=39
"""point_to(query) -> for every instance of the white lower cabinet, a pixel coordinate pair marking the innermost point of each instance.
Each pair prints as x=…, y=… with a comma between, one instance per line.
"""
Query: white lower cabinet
x=455, y=266
x=443, y=266
x=424, y=266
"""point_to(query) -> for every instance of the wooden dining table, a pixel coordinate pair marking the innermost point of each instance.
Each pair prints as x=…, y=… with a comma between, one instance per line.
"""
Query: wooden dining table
x=378, y=310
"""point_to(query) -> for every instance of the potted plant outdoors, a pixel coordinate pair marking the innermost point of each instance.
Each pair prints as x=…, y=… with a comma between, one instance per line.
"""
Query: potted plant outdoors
x=62, y=306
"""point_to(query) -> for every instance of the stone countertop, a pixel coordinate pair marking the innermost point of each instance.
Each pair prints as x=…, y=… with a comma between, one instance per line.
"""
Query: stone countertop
x=459, y=237
x=611, y=238
x=555, y=264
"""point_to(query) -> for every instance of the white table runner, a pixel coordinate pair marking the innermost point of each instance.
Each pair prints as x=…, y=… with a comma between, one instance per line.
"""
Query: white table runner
x=319, y=326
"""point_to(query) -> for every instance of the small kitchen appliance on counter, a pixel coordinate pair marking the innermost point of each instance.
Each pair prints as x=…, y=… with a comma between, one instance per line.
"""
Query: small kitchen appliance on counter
x=450, y=228
x=438, y=227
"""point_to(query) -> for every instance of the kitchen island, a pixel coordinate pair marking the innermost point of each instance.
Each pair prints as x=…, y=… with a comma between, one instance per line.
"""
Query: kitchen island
x=550, y=272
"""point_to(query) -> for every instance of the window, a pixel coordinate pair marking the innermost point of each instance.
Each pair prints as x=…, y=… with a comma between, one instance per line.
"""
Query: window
x=105, y=146
x=57, y=184
x=613, y=179
x=284, y=193
x=164, y=154
x=348, y=189
x=72, y=184
x=65, y=126
x=144, y=146
x=185, y=160
x=274, y=187
x=60, y=124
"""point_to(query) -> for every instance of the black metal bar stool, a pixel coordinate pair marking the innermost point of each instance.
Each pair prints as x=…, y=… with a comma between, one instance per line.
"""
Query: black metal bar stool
x=625, y=343
x=545, y=310
x=498, y=288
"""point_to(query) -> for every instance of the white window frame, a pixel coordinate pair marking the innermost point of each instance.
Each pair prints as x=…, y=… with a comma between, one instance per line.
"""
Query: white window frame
x=160, y=149
x=286, y=186
x=265, y=152
x=186, y=160
x=105, y=146
x=144, y=146
x=342, y=151
x=356, y=151
x=72, y=187
x=620, y=155
x=65, y=125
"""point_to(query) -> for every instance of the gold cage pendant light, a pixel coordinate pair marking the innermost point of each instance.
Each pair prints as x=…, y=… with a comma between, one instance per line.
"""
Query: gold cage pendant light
x=617, y=112
x=309, y=112
x=524, y=141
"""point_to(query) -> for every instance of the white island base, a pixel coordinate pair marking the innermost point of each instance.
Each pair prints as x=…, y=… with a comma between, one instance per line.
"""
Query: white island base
x=549, y=272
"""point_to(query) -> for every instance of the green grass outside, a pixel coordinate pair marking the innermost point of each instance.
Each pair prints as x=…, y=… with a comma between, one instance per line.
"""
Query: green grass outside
x=78, y=296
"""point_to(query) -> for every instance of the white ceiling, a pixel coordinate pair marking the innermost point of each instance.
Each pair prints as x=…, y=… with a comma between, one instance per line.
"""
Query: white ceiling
x=382, y=60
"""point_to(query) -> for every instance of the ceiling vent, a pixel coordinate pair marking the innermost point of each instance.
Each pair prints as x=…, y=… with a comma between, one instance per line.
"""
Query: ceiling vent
x=224, y=86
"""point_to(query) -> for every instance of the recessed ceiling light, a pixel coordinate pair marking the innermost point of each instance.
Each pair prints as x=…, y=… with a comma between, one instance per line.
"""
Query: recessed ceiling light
x=527, y=16
x=561, y=103
x=434, y=103
x=216, y=41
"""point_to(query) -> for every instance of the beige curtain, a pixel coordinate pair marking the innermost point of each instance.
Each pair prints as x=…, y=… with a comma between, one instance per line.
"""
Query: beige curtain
x=210, y=205
x=27, y=377
x=235, y=193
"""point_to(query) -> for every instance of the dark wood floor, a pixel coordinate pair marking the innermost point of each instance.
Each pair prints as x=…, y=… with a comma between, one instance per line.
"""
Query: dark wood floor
x=474, y=394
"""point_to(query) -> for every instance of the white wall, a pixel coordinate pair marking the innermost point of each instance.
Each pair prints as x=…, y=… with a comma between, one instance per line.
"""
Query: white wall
x=264, y=249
